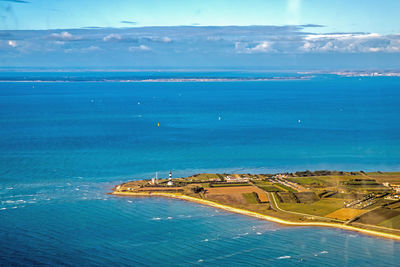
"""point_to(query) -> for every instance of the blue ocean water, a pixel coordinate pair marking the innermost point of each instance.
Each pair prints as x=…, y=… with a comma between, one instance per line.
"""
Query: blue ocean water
x=64, y=145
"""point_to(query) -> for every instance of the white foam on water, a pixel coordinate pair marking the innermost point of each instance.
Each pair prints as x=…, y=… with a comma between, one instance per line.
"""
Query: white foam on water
x=324, y=252
x=284, y=257
x=156, y=219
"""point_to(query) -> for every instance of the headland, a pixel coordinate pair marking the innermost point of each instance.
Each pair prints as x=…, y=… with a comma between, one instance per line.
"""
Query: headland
x=368, y=203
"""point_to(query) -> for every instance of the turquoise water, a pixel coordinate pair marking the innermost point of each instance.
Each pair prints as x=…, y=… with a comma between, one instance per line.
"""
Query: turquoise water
x=63, y=145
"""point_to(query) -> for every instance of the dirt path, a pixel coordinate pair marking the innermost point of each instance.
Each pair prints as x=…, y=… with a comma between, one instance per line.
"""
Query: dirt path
x=274, y=204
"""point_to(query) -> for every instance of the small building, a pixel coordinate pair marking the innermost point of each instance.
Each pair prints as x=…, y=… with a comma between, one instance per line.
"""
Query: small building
x=232, y=179
x=396, y=187
x=280, y=176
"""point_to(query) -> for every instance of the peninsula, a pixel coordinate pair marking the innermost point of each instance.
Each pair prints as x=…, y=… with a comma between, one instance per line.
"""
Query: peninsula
x=367, y=202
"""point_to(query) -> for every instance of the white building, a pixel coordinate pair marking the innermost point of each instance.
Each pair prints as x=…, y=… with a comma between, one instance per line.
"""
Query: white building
x=154, y=180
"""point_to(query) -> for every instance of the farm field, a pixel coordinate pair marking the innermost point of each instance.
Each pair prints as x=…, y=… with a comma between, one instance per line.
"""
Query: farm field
x=234, y=193
x=320, y=208
x=378, y=216
x=345, y=213
x=393, y=222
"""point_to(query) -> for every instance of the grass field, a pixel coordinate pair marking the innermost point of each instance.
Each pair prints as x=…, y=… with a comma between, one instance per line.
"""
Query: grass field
x=229, y=185
x=392, y=222
x=391, y=177
x=269, y=188
x=306, y=197
x=204, y=177
x=345, y=214
x=308, y=181
x=321, y=208
x=285, y=188
x=251, y=198
x=205, y=185
x=378, y=216
x=286, y=197
x=236, y=193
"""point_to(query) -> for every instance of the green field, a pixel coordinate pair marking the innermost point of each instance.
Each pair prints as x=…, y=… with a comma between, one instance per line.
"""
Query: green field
x=321, y=208
x=269, y=188
x=285, y=188
x=336, y=180
x=385, y=176
x=308, y=181
x=205, y=185
x=228, y=185
x=251, y=198
x=392, y=223
x=204, y=177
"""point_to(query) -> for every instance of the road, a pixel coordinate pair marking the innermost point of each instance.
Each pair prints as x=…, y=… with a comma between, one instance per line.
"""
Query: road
x=274, y=205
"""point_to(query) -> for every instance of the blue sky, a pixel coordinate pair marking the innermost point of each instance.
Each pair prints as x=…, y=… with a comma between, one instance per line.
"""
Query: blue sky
x=122, y=33
x=339, y=15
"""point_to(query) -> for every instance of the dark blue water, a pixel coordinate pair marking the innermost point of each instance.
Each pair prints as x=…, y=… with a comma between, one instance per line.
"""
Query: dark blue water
x=63, y=145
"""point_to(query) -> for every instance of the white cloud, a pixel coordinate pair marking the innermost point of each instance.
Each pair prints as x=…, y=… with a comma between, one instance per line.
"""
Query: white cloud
x=350, y=43
x=112, y=37
x=64, y=36
x=157, y=39
x=91, y=48
x=166, y=39
x=262, y=47
x=139, y=48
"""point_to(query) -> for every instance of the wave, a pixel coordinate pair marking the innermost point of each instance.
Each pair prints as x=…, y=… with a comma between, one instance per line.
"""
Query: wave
x=284, y=257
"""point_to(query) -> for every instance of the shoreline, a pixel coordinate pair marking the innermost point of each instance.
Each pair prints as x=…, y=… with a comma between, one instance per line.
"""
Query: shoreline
x=261, y=216
x=169, y=80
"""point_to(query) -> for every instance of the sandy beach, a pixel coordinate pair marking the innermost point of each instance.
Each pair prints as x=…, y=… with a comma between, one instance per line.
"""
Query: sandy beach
x=261, y=216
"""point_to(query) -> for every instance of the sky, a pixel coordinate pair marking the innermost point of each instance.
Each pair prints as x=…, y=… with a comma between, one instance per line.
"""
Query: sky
x=156, y=33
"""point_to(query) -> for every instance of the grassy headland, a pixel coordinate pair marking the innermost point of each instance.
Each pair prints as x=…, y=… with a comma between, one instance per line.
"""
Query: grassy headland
x=365, y=202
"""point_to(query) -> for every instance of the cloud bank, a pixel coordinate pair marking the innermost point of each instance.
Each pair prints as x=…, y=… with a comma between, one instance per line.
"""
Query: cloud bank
x=202, y=46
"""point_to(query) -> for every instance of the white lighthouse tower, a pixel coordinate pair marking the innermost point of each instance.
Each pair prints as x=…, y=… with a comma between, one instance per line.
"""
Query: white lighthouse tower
x=154, y=180
x=170, y=179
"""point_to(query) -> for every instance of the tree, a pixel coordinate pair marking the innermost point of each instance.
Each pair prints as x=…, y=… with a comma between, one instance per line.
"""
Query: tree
x=194, y=188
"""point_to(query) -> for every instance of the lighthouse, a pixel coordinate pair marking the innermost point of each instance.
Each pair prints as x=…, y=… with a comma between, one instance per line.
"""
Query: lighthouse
x=154, y=180
x=170, y=179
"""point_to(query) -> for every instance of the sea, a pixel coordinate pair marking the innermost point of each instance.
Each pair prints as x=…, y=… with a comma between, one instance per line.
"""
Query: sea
x=68, y=137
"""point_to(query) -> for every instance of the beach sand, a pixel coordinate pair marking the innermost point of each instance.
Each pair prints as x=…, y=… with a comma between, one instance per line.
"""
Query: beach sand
x=261, y=216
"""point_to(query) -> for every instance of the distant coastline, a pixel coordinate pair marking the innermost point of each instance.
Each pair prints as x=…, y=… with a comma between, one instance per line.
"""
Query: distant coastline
x=169, y=80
